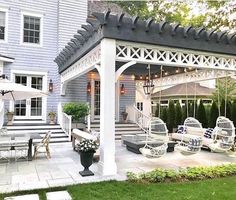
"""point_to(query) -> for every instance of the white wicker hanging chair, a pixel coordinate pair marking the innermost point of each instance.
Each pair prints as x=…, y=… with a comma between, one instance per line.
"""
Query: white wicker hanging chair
x=192, y=122
x=223, y=135
x=190, y=144
x=157, y=133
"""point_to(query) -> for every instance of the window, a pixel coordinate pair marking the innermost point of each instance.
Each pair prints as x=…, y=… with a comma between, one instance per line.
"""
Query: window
x=2, y=25
x=31, y=30
x=140, y=106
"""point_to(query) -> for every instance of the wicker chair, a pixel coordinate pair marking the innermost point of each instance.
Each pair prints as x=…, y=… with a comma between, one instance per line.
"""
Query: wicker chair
x=43, y=146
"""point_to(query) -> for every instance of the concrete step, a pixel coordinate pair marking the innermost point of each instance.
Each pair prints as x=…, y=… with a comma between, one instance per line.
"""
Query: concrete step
x=34, y=131
x=32, y=127
x=34, y=121
x=117, y=125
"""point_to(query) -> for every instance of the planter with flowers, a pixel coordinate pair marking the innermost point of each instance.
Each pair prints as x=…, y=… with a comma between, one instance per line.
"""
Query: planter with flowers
x=86, y=149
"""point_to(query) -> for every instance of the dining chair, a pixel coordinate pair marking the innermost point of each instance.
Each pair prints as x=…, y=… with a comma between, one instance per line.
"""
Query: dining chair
x=5, y=148
x=43, y=146
x=21, y=147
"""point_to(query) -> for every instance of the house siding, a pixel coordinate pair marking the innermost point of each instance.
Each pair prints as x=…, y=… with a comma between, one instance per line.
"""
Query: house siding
x=61, y=19
x=129, y=97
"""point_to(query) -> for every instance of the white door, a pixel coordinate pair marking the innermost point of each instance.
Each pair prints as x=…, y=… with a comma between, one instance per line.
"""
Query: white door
x=29, y=108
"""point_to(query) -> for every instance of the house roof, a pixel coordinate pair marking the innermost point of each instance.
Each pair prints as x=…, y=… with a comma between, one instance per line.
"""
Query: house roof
x=6, y=58
x=180, y=90
x=132, y=29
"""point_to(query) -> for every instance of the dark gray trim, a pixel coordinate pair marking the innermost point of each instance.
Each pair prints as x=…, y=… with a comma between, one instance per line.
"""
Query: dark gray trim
x=105, y=25
x=6, y=57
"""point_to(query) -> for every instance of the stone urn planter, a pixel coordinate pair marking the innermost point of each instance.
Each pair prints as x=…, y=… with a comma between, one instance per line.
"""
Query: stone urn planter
x=10, y=116
x=52, y=116
x=86, y=148
x=86, y=159
x=124, y=115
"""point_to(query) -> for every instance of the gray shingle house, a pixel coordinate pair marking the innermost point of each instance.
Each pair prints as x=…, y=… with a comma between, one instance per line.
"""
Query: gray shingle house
x=31, y=36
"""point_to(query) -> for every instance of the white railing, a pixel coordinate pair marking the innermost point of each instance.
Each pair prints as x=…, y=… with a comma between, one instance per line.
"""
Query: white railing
x=88, y=121
x=66, y=124
x=136, y=116
x=1, y=113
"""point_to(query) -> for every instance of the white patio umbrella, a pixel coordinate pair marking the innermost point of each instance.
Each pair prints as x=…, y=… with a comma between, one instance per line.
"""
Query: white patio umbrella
x=13, y=91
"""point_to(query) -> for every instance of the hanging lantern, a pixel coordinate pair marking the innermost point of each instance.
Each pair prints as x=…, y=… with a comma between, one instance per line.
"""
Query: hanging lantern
x=148, y=83
x=122, y=89
x=89, y=88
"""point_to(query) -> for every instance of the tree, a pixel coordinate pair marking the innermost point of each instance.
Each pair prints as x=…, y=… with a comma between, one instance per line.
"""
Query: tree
x=214, y=113
x=171, y=116
x=157, y=110
x=225, y=88
x=221, y=15
x=227, y=112
x=184, y=112
x=201, y=114
x=179, y=115
x=233, y=112
x=162, y=10
x=164, y=116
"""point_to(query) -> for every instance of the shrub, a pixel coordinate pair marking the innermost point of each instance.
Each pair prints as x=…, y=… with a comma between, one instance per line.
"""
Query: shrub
x=179, y=115
x=77, y=110
x=233, y=112
x=188, y=174
x=213, y=115
x=228, y=109
x=171, y=116
x=201, y=114
x=157, y=110
x=164, y=114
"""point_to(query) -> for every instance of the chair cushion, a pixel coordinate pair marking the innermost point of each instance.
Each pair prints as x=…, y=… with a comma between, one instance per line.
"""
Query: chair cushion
x=181, y=129
x=194, y=144
x=208, y=132
x=195, y=131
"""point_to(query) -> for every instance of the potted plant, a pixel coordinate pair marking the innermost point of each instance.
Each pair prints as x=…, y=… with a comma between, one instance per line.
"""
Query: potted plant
x=86, y=148
x=52, y=116
x=124, y=115
x=10, y=116
x=78, y=111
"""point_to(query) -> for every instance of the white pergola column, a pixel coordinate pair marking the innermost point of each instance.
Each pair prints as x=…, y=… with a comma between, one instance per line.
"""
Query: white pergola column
x=1, y=67
x=107, y=164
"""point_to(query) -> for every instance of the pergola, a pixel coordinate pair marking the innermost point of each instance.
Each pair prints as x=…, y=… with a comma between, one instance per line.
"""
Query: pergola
x=114, y=44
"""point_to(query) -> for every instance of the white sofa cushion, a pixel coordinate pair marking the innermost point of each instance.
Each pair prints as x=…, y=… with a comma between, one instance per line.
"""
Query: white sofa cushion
x=195, y=131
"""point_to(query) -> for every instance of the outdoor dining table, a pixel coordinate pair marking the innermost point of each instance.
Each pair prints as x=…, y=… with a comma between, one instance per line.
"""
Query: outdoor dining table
x=31, y=136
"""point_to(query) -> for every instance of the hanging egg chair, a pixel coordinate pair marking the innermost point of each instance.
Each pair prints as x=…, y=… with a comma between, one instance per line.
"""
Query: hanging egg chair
x=190, y=143
x=156, y=143
x=223, y=135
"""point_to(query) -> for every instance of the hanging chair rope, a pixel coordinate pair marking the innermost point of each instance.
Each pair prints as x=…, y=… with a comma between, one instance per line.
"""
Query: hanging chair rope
x=186, y=90
x=226, y=91
x=218, y=92
x=195, y=98
x=159, y=111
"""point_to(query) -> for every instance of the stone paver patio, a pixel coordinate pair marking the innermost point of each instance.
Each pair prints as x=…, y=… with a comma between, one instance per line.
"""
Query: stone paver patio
x=64, y=166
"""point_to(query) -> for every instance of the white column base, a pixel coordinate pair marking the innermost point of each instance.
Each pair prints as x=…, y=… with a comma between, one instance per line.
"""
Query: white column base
x=107, y=168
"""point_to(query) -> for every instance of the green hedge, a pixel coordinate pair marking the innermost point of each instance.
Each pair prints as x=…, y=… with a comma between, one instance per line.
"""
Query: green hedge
x=182, y=175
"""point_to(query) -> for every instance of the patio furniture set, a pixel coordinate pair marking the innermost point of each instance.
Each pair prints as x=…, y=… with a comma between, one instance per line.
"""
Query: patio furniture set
x=18, y=147
x=188, y=142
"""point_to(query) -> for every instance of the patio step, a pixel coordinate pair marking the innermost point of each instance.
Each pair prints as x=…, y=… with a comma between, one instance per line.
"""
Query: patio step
x=58, y=135
x=121, y=129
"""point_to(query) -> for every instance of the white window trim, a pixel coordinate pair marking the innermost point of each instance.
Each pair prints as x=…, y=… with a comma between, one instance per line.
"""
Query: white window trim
x=44, y=89
x=3, y=9
x=33, y=14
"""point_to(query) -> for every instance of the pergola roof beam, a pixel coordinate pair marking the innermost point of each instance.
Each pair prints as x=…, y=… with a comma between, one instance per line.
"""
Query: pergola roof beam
x=148, y=32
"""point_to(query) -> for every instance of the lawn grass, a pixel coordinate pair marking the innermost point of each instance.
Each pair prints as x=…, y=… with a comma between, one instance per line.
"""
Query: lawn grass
x=214, y=189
